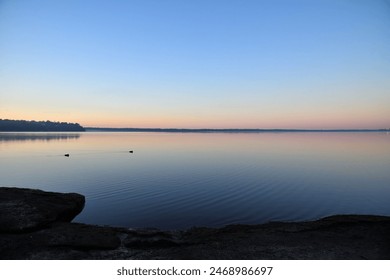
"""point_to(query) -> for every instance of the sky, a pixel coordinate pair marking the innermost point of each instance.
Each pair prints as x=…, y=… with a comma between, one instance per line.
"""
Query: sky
x=197, y=64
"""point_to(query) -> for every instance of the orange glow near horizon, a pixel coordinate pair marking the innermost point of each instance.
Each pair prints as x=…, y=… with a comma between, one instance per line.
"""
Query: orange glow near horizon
x=190, y=116
x=166, y=122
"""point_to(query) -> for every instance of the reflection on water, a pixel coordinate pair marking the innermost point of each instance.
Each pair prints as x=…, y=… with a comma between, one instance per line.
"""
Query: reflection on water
x=22, y=136
x=175, y=180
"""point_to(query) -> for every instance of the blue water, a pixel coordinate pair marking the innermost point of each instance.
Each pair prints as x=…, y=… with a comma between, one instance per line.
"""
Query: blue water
x=182, y=180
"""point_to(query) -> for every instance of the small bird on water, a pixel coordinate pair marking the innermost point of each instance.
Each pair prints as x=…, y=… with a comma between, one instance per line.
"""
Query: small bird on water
x=67, y=155
x=131, y=152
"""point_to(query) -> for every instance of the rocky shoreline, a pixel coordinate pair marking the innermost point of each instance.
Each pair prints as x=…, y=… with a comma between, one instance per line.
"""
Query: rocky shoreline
x=37, y=225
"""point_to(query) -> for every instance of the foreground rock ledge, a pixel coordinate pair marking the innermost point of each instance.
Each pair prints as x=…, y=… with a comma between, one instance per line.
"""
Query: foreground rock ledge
x=24, y=210
x=335, y=237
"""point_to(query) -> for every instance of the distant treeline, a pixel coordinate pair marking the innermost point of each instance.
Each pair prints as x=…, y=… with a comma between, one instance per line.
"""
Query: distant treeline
x=22, y=125
x=227, y=130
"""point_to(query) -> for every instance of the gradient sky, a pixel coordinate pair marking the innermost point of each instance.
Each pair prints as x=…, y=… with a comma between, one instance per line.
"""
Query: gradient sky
x=197, y=64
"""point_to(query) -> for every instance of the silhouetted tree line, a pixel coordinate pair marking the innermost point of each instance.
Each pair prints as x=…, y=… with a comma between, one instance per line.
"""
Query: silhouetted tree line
x=22, y=125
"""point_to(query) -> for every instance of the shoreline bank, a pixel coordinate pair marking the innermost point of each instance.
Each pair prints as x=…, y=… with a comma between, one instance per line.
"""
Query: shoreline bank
x=38, y=225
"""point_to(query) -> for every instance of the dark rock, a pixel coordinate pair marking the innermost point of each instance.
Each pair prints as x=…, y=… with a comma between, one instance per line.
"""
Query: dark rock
x=151, y=239
x=335, y=238
x=57, y=254
x=59, y=241
x=80, y=236
x=27, y=209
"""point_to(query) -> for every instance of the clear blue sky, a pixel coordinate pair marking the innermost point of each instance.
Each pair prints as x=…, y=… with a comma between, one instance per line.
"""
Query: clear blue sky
x=282, y=64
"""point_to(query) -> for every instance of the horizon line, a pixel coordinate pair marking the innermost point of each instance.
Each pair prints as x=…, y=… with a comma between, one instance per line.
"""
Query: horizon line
x=156, y=129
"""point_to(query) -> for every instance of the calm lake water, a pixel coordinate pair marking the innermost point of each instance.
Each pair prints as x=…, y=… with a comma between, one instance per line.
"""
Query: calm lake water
x=181, y=180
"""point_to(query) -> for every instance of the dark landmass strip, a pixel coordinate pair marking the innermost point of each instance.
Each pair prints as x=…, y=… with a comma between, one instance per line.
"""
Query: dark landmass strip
x=229, y=130
x=23, y=125
x=37, y=225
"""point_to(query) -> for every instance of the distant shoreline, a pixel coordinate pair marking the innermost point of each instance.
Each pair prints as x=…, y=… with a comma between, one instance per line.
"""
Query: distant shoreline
x=7, y=125
x=228, y=130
